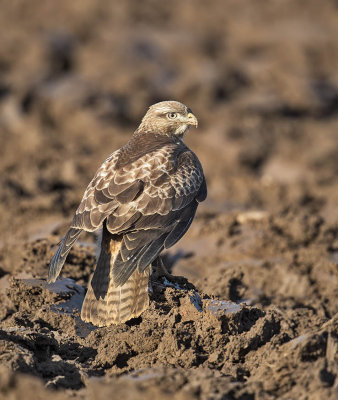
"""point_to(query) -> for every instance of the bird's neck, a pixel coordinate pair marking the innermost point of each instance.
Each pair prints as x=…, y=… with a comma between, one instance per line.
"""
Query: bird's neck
x=173, y=135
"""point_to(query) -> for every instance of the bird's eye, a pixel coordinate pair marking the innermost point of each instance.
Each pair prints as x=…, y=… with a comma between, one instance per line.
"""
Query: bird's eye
x=172, y=115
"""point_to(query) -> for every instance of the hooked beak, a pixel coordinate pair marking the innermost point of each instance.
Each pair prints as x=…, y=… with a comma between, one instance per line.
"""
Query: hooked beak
x=192, y=120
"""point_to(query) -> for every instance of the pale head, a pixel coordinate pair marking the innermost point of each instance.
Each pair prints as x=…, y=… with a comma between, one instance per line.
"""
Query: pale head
x=168, y=118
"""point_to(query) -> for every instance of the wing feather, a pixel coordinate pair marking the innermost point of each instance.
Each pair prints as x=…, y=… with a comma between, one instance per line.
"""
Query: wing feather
x=151, y=202
x=100, y=196
x=152, y=251
x=123, y=222
x=131, y=193
x=167, y=212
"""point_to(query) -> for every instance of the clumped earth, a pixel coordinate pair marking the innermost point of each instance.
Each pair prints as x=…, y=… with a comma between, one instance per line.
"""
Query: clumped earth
x=255, y=316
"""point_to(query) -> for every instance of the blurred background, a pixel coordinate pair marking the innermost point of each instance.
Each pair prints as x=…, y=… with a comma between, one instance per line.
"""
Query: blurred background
x=76, y=78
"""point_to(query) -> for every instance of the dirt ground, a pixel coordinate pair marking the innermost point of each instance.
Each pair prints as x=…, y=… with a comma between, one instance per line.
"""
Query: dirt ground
x=255, y=316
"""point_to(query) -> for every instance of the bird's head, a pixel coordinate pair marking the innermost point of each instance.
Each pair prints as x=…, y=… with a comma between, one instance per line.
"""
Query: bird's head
x=170, y=118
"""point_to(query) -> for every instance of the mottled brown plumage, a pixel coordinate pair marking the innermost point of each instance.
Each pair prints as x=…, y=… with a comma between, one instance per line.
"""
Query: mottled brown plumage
x=145, y=195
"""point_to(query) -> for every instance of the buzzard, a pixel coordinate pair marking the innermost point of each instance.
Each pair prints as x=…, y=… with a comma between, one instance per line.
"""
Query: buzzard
x=144, y=196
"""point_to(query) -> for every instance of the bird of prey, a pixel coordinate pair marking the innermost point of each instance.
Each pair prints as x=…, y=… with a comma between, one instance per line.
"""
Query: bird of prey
x=144, y=196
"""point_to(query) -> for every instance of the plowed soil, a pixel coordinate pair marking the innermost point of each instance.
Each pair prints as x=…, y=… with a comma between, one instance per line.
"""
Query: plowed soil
x=254, y=314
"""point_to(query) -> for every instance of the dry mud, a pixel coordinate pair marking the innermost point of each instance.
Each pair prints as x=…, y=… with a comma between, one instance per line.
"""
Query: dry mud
x=255, y=316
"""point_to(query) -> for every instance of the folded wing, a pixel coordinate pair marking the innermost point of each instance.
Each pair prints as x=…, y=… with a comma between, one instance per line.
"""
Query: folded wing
x=151, y=202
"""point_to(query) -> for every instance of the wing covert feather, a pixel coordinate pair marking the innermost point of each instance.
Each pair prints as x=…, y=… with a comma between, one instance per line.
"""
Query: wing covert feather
x=152, y=201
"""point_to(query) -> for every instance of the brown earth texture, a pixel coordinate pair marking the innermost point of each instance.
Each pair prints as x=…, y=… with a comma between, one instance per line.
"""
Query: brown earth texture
x=254, y=314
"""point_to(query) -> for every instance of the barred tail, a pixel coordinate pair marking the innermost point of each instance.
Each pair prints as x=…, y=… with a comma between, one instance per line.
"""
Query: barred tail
x=107, y=304
x=59, y=258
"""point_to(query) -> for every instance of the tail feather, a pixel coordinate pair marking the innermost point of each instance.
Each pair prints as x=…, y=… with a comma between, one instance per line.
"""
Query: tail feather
x=60, y=256
x=107, y=303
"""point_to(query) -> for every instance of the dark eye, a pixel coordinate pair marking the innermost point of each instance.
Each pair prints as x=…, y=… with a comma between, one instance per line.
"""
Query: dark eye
x=171, y=115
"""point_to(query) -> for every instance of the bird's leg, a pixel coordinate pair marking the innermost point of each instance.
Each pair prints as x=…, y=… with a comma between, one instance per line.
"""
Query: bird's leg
x=176, y=281
x=161, y=270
